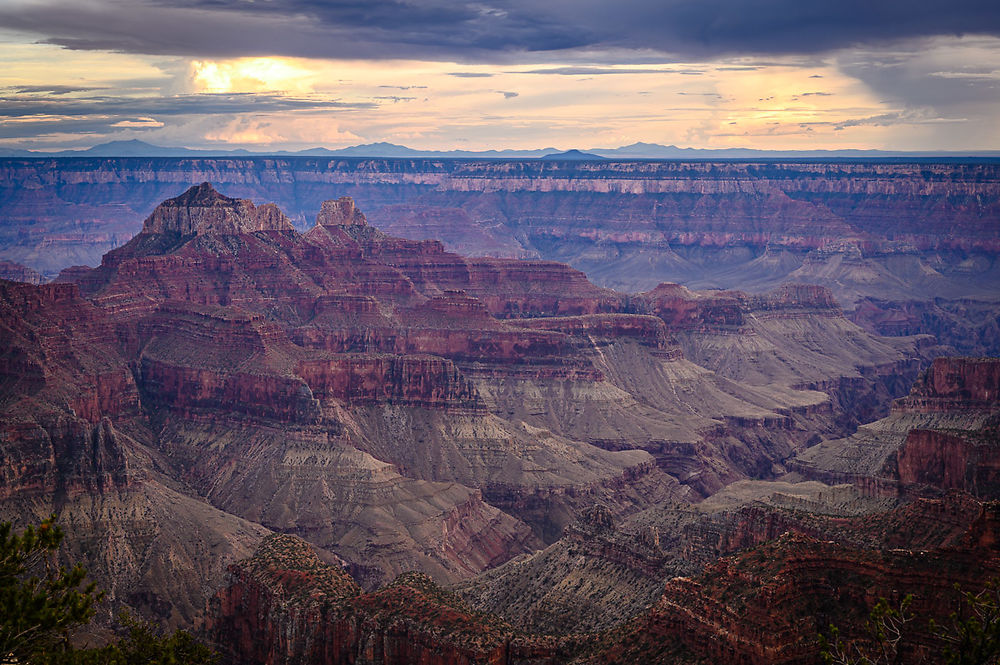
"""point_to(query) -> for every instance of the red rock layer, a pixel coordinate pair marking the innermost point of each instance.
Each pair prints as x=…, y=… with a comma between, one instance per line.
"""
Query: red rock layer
x=397, y=379
x=203, y=210
x=18, y=273
x=285, y=606
x=726, y=311
x=943, y=460
x=955, y=384
x=647, y=330
x=767, y=605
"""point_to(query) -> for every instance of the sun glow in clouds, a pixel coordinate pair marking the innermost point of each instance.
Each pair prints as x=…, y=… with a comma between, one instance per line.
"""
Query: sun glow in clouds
x=849, y=99
x=286, y=75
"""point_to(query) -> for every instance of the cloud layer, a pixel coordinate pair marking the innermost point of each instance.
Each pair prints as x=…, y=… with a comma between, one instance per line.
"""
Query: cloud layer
x=500, y=31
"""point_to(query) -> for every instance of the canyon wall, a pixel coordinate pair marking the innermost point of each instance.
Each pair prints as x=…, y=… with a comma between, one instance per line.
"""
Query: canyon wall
x=629, y=225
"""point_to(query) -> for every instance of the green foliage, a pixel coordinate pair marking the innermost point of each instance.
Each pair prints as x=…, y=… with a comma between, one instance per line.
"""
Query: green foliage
x=39, y=602
x=973, y=638
x=885, y=629
x=141, y=646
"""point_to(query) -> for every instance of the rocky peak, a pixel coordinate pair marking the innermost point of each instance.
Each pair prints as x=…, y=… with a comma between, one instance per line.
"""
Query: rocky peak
x=202, y=210
x=341, y=212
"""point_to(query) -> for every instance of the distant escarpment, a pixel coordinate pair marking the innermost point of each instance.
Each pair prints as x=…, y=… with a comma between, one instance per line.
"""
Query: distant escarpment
x=913, y=247
x=887, y=230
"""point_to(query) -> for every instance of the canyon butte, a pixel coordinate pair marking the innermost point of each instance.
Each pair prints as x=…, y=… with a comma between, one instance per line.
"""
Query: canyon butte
x=343, y=446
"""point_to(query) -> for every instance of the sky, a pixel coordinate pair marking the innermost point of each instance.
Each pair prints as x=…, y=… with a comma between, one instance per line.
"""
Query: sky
x=430, y=74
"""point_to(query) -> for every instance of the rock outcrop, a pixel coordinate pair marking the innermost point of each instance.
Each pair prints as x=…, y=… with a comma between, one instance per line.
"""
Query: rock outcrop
x=897, y=231
x=15, y=272
x=341, y=212
x=396, y=405
x=764, y=605
x=942, y=436
x=284, y=606
x=202, y=210
x=767, y=605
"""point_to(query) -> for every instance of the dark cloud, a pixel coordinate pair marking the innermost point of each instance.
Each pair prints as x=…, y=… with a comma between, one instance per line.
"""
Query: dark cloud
x=902, y=82
x=501, y=31
x=103, y=115
x=470, y=75
x=816, y=94
x=50, y=89
x=507, y=94
x=880, y=120
x=589, y=71
x=41, y=128
x=21, y=106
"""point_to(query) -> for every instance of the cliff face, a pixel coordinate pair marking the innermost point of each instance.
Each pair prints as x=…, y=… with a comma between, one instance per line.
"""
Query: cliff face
x=15, y=272
x=765, y=605
x=955, y=384
x=942, y=436
x=970, y=327
x=399, y=406
x=629, y=225
x=768, y=604
x=284, y=605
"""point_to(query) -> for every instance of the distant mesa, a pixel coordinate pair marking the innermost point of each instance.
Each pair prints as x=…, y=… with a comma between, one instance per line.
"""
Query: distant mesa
x=341, y=212
x=572, y=155
x=16, y=272
x=135, y=148
x=202, y=210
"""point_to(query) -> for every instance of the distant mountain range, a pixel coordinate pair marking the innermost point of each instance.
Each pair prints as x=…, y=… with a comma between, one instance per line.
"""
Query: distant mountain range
x=136, y=148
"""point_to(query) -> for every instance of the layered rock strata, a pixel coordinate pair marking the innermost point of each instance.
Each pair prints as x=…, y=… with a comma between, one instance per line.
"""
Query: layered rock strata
x=398, y=406
x=943, y=436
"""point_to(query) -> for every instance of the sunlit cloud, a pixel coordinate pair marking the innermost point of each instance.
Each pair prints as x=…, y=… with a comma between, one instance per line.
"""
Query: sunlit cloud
x=934, y=92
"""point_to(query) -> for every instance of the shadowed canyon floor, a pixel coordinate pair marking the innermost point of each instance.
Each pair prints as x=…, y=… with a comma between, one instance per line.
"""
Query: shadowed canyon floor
x=506, y=427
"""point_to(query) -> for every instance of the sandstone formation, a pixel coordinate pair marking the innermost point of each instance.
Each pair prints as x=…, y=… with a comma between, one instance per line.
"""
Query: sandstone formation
x=403, y=408
x=943, y=436
x=73, y=442
x=768, y=604
x=15, y=272
x=889, y=230
x=202, y=210
x=765, y=605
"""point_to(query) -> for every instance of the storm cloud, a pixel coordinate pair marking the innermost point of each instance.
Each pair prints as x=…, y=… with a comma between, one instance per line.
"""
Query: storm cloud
x=20, y=106
x=501, y=31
